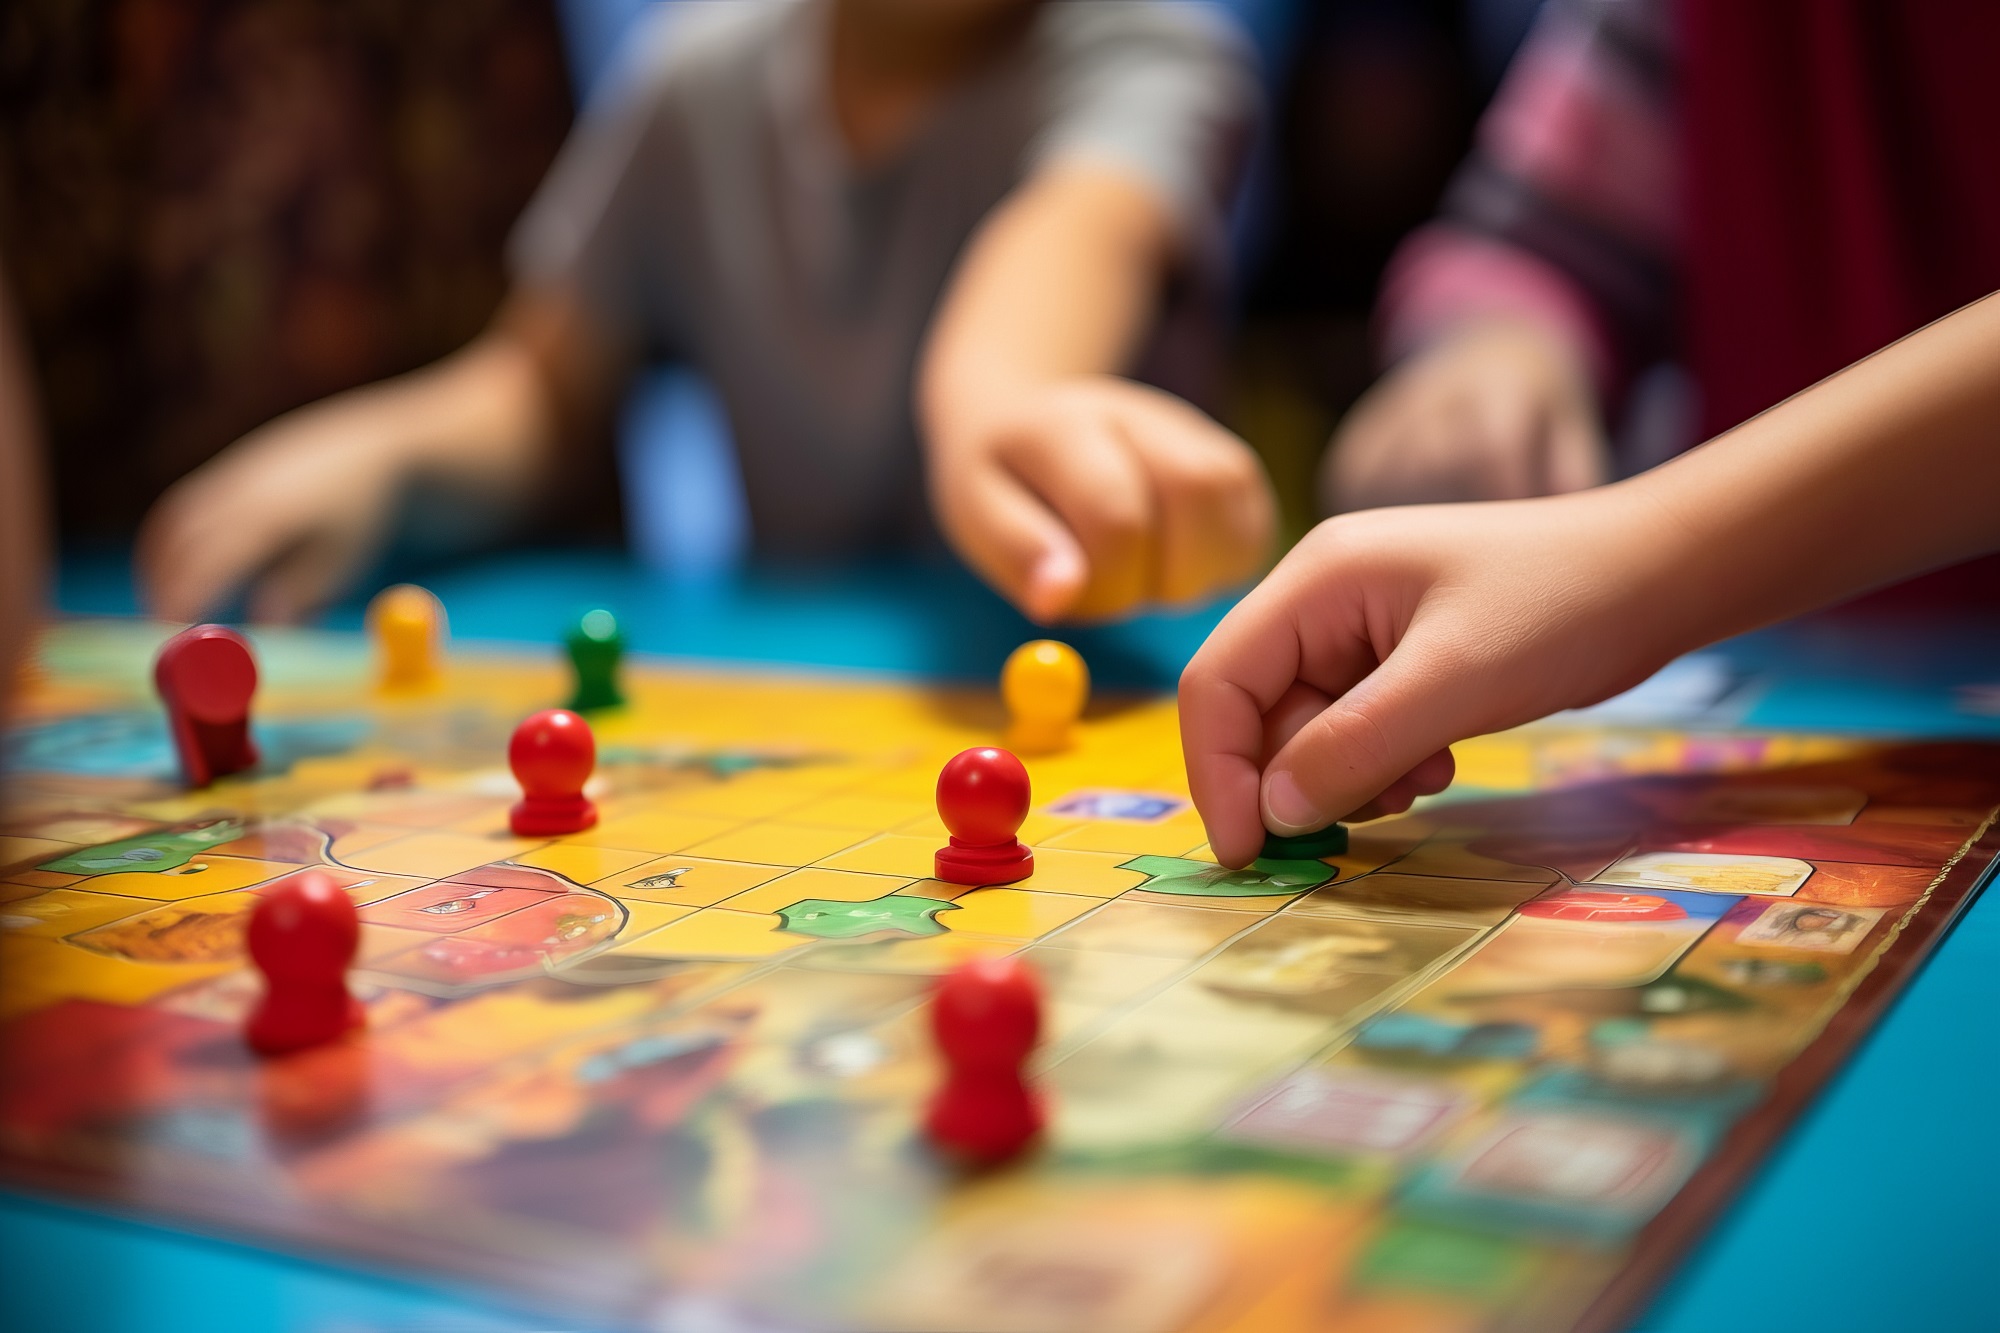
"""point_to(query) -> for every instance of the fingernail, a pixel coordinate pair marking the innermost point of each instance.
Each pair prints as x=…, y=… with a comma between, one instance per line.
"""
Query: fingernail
x=1053, y=583
x=1287, y=809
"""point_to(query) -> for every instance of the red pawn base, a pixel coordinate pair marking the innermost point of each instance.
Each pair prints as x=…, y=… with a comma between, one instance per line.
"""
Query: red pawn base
x=302, y=1018
x=211, y=750
x=984, y=1119
x=991, y=863
x=550, y=817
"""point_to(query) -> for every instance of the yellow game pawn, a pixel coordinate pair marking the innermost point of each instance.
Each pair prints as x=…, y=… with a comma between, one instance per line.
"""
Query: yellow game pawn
x=407, y=623
x=1044, y=685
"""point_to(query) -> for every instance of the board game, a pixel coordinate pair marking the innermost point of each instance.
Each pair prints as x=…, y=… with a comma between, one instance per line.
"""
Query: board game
x=1493, y=1068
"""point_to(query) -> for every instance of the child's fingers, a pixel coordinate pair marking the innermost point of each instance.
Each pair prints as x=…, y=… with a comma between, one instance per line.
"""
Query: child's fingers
x=1249, y=663
x=1391, y=725
x=1435, y=773
x=154, y=558
x=304, y=579
x=1215, y=532
x=1222, y=742
x=1250, y=670
x=1431, y=776
x=1217, y=515
x=1302, y=703
x=1096, y=486
x=1018, y=544
x=1299, y=705
x=191, y=559
x=204, y=572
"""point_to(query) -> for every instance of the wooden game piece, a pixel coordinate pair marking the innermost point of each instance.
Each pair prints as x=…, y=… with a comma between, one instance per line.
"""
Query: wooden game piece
x=206, y=676
x=982, y=797
x=552, y=755
x=986, y=1016
x=408, y=625
x=1045, y=685
x=595, y=647
x=302, y=937
x=1329, y=841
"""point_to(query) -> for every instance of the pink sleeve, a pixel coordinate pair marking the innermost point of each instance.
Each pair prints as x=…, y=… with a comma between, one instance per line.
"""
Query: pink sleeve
x=1565, y=213
x=1445, y=277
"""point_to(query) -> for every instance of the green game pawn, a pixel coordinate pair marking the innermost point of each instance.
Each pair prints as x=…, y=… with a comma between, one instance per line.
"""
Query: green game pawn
x=595, y=646
x=1329, y=841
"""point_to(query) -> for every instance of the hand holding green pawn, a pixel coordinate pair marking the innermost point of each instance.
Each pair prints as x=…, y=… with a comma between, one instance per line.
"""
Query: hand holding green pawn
x=595, y=646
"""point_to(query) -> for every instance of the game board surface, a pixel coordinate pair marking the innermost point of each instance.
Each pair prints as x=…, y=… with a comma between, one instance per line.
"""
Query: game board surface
x=1492, y=1069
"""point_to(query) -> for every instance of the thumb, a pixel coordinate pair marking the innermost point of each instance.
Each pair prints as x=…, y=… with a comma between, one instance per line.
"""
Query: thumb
x=1392, y=723
x=1019, y=546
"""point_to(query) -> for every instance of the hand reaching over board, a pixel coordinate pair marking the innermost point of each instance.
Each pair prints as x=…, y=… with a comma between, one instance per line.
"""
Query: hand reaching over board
x=1075, y=493
x=1336, y=687
x=293, y=512
x=1094, y=496
x=1497, y=411
x=289, y=515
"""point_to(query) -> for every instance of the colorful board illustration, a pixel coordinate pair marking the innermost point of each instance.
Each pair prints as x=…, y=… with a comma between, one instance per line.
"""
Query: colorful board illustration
x=1494, y=1068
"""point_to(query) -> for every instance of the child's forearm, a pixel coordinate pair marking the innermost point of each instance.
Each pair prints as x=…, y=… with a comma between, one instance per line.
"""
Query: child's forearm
x=491, y=424
x=1339, y=684
x=1888, y=469
x=291, y=513
x=1072, y=490
x=1061, y=280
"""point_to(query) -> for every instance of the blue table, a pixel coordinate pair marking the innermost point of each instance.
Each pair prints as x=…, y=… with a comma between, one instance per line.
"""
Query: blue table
x=1873, y=1214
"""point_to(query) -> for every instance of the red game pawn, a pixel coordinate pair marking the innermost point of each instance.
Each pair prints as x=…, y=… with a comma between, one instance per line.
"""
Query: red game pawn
x=205, y=676
x=302, y=937
x=986, y=1016
x=982, y=797
x=552, y=755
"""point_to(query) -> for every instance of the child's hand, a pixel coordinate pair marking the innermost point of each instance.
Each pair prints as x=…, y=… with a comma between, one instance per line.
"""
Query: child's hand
x=292, y=512
x=1335, y=687
x=296, y=510
x=1499, y=411
x=1095, y=496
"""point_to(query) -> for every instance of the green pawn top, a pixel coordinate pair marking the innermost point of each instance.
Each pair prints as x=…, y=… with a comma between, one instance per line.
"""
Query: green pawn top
x=595, y=646
x=1313, y=846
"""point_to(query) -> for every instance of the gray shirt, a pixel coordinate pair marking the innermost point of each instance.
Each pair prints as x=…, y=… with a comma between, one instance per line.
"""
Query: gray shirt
x=705, y=210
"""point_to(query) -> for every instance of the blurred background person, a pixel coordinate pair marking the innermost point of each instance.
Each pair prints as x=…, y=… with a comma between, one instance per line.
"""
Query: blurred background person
x=1678, y=213
x=226, y=209
x=1376, y=104
x=994, y=207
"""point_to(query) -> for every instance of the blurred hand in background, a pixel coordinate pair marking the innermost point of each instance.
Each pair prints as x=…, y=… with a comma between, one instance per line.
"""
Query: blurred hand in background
x=1496, y=410
x=1095, y=496
x=1074, y=493
x=293, y=512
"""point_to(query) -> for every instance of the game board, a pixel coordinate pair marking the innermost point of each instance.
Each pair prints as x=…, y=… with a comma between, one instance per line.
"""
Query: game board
x=1492, y=1069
